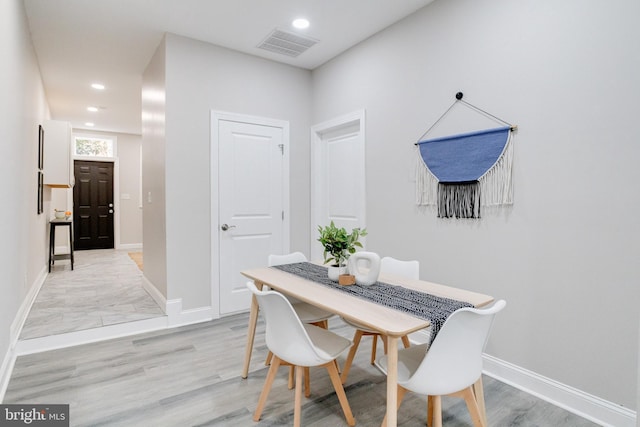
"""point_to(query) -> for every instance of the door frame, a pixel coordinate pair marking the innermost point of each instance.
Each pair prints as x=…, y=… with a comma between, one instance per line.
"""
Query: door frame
x=116, y=192
x=355, y=118
x=216, y=117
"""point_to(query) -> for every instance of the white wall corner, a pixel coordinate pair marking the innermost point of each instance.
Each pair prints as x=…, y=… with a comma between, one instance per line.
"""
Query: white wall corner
x=593, y=408
x=155, y=294
x=178, y=317
x=25, y=307
x=15, y=329
x=173, y=308
x=5, y=371
x=189, y=317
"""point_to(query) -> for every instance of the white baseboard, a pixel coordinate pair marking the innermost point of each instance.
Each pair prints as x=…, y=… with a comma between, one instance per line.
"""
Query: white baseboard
x=25, y=307
x=155, y=294
x=173, y=308
x=70, y=339
x=16, y=328
x=593, y=408
x=5, y=370
x=179, y=317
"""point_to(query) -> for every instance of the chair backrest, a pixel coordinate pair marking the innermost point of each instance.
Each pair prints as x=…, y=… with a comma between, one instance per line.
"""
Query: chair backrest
x=286, y=259
x=397, y=267
x=454, y=360
x=285, y=335
x=291, y=258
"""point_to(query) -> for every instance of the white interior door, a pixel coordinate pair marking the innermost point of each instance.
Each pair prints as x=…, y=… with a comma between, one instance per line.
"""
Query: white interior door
x=252, y=200
x=338, y=175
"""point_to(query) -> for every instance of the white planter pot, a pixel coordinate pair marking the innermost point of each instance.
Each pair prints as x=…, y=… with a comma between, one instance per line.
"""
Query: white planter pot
x=334, y=272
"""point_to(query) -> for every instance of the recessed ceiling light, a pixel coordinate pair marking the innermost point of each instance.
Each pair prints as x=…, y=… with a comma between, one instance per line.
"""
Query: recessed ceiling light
x=300, y=23
x=89, y=124
x=92, y=109
x=98, y=86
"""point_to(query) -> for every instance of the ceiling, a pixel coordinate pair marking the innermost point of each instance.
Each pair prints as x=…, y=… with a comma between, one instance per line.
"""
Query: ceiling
x=78, y=42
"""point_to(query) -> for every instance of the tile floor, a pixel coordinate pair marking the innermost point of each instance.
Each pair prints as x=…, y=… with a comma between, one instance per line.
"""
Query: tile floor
x=105, y=288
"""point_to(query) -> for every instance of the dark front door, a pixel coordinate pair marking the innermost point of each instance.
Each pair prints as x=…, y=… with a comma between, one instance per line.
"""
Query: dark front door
x=93, y=205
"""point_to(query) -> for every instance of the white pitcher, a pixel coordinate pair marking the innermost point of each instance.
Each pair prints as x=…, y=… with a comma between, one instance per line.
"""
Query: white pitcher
x=370, y=275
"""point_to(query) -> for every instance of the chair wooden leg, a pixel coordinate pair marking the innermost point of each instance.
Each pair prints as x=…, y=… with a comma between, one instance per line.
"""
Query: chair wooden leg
x=352, y=352
x=384, y=341
x=342, y=397
x=307, y=383
x=267, y=362
x=429, y=411
x=406, y=342
x=401, y=393
x=437, y=411
x=374, y=348
x=479, y=393
x=472, y=405
x=297, y=405
x=268, y=382
x=291, y=376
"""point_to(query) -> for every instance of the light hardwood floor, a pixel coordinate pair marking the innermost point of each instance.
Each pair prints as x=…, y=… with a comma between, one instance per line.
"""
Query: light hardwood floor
x=104, y=288
x=190, y=376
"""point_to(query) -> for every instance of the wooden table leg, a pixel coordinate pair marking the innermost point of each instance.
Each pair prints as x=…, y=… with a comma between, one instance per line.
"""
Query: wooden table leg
x=392, y=381
x=253, y=320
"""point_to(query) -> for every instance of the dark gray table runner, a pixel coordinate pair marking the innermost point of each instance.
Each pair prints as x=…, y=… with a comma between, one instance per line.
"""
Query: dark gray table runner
x=419, y=304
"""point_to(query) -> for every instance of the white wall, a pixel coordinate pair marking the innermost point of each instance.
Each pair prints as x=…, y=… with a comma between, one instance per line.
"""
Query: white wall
x=24, y=242
x=565, y=255
x=201, y=77
x=129, y=169
x=153, y=171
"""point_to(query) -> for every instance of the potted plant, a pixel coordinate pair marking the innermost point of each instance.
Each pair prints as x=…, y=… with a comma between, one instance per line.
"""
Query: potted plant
x=338, y=246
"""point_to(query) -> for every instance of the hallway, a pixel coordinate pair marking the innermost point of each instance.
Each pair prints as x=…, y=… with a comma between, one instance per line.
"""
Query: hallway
x=105, y=288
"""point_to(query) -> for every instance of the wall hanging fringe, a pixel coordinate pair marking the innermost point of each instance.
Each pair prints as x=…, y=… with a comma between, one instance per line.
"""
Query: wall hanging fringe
x=461, y=173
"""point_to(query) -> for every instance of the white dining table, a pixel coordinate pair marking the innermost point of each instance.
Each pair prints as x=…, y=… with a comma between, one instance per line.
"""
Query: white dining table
x=388, y=321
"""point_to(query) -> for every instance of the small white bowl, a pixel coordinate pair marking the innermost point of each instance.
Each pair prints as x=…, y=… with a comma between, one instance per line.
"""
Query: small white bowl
x=60, y=215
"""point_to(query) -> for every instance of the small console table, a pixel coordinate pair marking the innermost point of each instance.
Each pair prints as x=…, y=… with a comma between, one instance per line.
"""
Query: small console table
x=54, y=223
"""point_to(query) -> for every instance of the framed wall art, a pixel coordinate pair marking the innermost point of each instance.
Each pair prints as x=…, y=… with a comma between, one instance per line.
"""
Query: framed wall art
x=40, y=192
x=40, y=147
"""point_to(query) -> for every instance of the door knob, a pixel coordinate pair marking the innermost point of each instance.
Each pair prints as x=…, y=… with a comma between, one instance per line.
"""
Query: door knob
x=110, y=210
x=225, y=227
x=110, y=205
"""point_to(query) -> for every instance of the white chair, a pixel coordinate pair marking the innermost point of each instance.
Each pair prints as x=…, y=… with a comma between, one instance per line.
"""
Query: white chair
x=392, y=266
x=301, y=345
x=451, y=366
x=306, y=312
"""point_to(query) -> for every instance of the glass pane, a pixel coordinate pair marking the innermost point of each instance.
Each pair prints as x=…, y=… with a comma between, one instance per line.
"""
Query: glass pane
x=94, y=147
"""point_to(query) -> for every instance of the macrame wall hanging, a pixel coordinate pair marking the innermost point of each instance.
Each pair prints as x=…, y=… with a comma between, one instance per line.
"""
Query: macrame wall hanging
x=460, y=173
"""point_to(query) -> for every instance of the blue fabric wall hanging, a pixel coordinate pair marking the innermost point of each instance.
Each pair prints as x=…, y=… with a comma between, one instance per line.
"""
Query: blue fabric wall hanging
x=461, y=173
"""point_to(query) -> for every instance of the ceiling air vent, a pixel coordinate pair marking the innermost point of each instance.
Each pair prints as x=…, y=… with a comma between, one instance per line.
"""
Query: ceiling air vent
x=289, y=44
